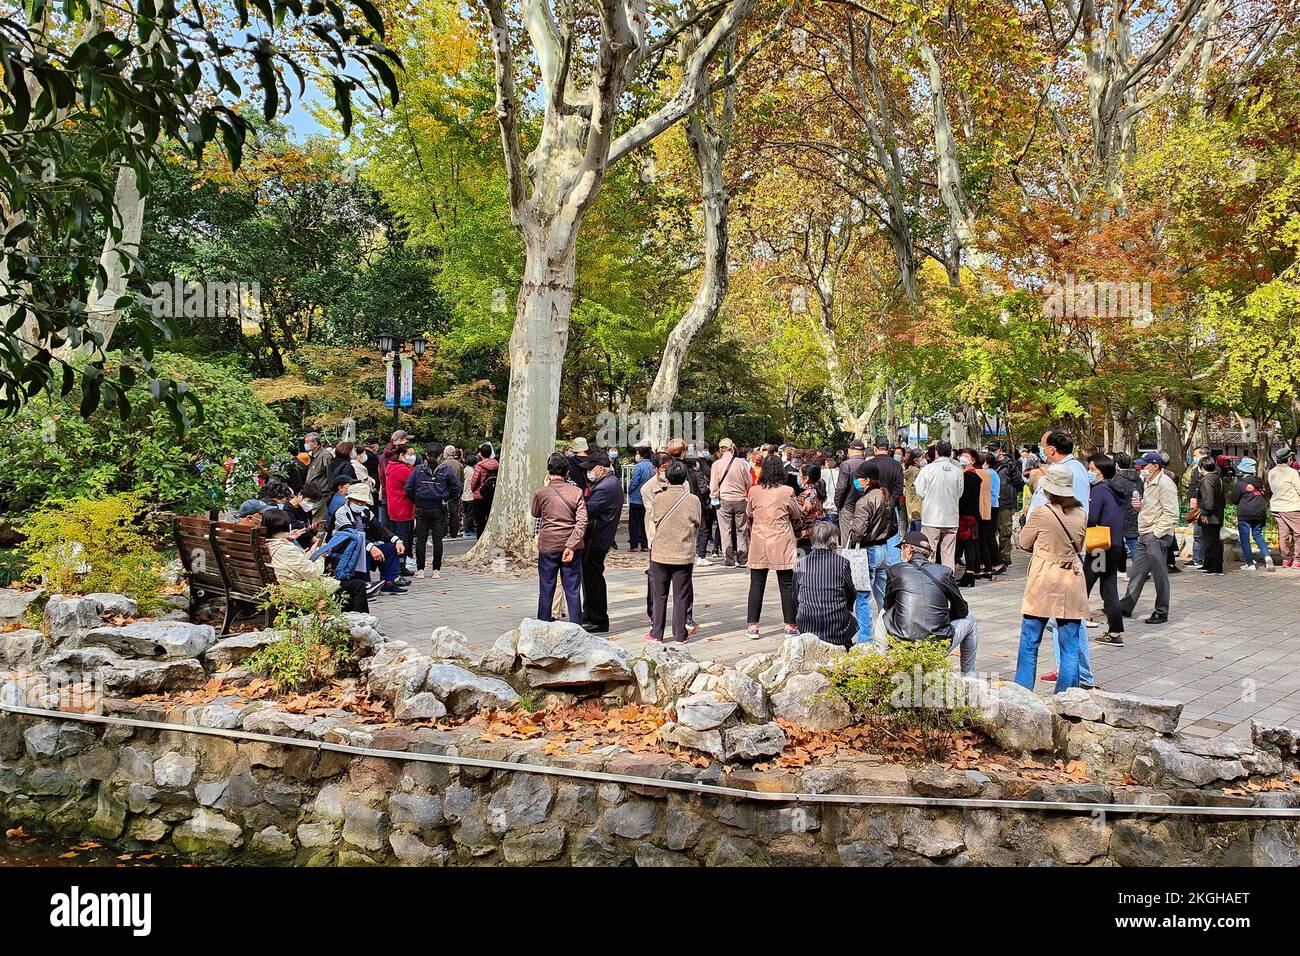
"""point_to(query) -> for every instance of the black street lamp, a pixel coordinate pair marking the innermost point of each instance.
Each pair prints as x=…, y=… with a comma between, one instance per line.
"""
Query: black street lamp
x=390, y=345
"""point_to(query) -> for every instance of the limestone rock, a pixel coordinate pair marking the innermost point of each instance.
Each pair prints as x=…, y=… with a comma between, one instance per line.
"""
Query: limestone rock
x=449, y=644
x=464, y=694
x=501, y=656
x=153, y=640
x=633, y=820
x=647, y=854
x=396, y=671
x=539, y=846
x=1132, y=710
x=1075, y=702
x=413, y=851
x=663, y=672
x=271, y=843
x=704, y=711
x=930, y=835
x=68, y=617
x=1189, y=761
x=523, y=802
x=364, y=826
x=278, y=723
x=1283, y=741
x=1014, y=716
x=755, y=664
x=806, y=700
x=562, y=654
x=421, y=706
x=753, y=741
x=745, y=691
x=19, y=649
x=705, y=741
x=234, y=649
x=133, y=678
x=174, y=770
x=207, y=834
x=14, y=603
x=116, y=604
x=799, y=654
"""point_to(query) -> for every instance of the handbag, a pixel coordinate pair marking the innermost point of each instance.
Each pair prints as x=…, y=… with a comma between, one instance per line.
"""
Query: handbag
x=1097, y=538
x=860, y=567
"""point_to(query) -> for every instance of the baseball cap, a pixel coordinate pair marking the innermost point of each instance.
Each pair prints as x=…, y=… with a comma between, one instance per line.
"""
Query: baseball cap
x=1150, y=458
x=917, y=539
x=856, y=445
x=594, y=459
x=253, y=506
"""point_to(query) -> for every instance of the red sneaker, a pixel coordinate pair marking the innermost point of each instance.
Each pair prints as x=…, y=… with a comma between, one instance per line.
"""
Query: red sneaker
x=654, y=640
x=1048, y=678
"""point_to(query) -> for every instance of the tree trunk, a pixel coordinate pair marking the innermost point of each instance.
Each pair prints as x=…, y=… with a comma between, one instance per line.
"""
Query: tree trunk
x=537, y=347
x=708, y=149
x=129, y=206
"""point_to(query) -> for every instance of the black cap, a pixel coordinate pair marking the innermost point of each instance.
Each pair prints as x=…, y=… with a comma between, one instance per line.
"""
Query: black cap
x=880, y=441
x=917, y=539
x=856, y=445
x=594, y=459
x=868, y=469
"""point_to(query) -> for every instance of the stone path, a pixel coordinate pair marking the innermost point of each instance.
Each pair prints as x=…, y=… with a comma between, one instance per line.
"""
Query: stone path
x=1231, y=651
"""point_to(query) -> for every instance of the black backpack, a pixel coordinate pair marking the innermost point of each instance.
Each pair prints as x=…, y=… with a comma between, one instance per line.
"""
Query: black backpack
x=432, y=486
x=488, y=489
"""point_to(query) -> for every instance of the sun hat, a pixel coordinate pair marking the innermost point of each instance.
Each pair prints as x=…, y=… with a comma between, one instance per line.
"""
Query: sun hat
x=1246, y=467
x=579, y=444
x=359, y=491
x=1058, y=481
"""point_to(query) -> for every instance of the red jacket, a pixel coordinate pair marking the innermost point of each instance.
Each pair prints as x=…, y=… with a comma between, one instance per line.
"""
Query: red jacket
x=482, y=471
x=400, y=507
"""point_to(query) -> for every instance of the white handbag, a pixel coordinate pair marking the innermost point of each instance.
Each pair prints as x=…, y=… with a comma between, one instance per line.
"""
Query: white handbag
x=859, y=566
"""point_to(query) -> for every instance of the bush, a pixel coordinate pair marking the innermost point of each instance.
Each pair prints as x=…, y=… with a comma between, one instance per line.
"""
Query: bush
x=49, y=447
x=911, y=689
x=85, y=545
x=314, y=636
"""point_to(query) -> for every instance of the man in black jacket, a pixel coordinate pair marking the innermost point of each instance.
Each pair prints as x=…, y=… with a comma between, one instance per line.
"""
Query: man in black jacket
x=846, y=494
x=924, y=603
x=604, y=507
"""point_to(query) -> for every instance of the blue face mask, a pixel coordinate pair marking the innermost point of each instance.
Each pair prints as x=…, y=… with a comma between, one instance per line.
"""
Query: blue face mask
x=1092, y=477
x=859, y=484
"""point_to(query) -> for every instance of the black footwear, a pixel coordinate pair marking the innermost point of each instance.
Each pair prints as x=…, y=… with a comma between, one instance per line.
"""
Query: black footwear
x=373, y=589
x=1158, y=618
x=1126, y=609
x=595, y=628
x=1115, y=640
x=1175, y=569
x=392, y=587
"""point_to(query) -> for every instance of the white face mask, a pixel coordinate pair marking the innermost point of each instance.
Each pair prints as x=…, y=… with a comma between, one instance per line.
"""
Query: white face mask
x=308, y=506
x=409, y=459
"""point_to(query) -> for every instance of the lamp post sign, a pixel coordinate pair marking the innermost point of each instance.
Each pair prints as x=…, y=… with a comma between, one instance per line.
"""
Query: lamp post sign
x=407, y=390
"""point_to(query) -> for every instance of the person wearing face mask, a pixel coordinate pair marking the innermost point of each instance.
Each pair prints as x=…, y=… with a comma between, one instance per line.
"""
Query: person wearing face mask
x=1106, y=508
x=874, y=522
x=604, y=497
x=305, y=511
x=1156, y=519
x=322, y=457
x=290, y=564
x=356, y=517
x=970, y=508
x=400, y=508
x=940, y=485
x=344, y=454
x=433, y=485
x=1207, y=513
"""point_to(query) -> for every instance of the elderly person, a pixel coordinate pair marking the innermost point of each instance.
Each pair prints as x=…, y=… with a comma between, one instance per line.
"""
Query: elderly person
x=728, y=485
x=1055, y=588
x=676, y=520
x=604, y=508
x=290, y=563
x=824, y=593
x=1157, y=516
x=321, y=457
x=773, y=514
x=563, y=514
x=923, y=603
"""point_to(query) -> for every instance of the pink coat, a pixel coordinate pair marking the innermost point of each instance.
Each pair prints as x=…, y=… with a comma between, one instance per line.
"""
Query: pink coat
x=773, y=513
x=400, y=507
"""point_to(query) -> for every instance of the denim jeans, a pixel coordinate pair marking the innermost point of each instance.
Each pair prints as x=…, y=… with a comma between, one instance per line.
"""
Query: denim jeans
x=877, y=560
x=1130, y=544
x=1031, y=635
x=1247, y=530
x=1084, y=664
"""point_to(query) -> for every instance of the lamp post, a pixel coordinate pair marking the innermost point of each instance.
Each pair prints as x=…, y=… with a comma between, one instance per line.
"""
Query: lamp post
x=391, y=347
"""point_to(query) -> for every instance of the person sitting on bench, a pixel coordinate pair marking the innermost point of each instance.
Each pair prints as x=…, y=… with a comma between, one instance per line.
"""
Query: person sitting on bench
x=290, y=563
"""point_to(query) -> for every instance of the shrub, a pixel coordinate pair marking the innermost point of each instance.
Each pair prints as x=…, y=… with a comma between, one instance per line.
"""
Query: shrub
x=314, y=636
x=49, y=446
x=911, y=689
x=84, y=545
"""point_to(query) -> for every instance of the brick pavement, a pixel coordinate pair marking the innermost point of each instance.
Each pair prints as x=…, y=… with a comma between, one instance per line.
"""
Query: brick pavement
x=1230, y=652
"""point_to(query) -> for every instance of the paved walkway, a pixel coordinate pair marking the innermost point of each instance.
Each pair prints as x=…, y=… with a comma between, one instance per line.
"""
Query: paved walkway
x=1230, y=652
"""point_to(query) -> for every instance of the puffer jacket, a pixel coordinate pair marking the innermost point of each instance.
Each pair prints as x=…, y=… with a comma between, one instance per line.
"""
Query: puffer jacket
x=1248, y=495
x=922, y=600
x=1125, y=483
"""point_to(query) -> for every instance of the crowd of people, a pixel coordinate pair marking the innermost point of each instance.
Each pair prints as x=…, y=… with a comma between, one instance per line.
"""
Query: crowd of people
x=878, y=542
x=871, y=544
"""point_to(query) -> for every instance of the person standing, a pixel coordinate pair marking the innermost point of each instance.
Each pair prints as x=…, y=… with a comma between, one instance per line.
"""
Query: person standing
x=773, y=515
x=915, y=458
x=971, y=505
x=1106, y=507
x=1157, y=515
x=432, y=486
x=676, y=521
x=1284, y=486
x=563, y=513
x=1248, y=496
x=891, y=479
x=728, y=485
x=467, y=466
x=940, y=486
x=824, y=593
x=846, y=495
x=322, y=458
x=697, y=480
x=577, y=457
x=1129, y=488
x=604, y=509
x=874, y=523
x=1207, y=507
x=641, y=472
x=483, y=485
x=988, y=527
x=1054, y=588
x=1189, y=484
x=1011, y=483
x=399, y=507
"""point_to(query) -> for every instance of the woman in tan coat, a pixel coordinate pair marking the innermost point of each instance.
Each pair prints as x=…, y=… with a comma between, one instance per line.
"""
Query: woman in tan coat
x=675, y=520
x=1055, y=587
x=774, y=519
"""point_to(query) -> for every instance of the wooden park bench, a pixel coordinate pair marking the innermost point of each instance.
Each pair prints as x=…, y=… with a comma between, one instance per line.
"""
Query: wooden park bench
x=226, y=560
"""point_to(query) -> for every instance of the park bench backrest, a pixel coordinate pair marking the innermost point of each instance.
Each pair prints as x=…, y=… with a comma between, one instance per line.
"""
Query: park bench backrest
x=242, y=553
x=194, y=543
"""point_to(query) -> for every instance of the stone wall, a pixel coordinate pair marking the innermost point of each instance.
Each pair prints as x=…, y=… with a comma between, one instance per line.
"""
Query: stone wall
x=252, y=802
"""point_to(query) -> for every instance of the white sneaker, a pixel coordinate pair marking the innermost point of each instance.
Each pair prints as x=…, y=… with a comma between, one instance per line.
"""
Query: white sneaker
x=419, y=574
x=1268, y=563
x=703, y=563
x=1248, y=567
x=436, y=575
x=1091, y=623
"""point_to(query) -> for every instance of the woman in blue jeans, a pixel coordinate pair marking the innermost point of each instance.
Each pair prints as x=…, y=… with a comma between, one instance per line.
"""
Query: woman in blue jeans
x=874, y=524
x=1055, y=587
x=1247, y=494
